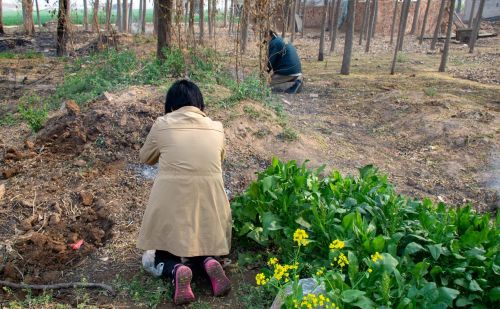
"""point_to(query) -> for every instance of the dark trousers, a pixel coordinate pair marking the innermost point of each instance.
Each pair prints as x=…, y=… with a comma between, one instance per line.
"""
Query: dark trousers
x=170, y=260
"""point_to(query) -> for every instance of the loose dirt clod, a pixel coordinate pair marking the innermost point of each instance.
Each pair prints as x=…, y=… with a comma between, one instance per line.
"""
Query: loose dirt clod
x=87, y=198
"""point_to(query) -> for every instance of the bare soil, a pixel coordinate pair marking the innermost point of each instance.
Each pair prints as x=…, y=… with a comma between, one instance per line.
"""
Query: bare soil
x=434, y=134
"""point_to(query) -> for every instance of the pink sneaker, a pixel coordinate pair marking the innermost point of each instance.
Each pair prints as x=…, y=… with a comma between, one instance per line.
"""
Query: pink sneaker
x=220, y=283
x=182, y=285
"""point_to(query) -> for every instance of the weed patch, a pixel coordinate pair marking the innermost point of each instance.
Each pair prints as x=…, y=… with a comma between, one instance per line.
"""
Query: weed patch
x=8, y=119
x=252, y=297
x=430, y=91
x=145, y=290
x=33, y=110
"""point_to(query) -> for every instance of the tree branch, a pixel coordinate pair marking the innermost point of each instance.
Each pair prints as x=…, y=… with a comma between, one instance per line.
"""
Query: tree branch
x=58, y=286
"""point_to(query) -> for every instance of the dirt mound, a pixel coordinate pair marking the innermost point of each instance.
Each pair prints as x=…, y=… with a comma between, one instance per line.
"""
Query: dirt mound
x=107, y=125
x=63, y=183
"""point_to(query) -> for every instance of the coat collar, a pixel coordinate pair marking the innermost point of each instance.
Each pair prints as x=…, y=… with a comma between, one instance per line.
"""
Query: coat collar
x=187, y=109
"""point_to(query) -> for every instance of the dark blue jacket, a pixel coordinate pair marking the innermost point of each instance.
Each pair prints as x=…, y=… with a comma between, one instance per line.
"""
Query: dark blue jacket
x=283, y=58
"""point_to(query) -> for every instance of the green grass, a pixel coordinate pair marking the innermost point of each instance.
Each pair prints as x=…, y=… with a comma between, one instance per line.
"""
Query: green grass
x=26, y=55
x=15, y=18
x=430, y=91
x=145, y=290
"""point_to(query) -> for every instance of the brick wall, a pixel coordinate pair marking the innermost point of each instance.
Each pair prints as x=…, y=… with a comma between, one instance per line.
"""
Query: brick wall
x=384, y=18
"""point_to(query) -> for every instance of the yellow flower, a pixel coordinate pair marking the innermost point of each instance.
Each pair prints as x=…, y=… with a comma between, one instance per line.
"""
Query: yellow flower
x=337, y=244
x=272, y=261
x=375, y=257
x=342, y=260
x=370, y=270
x=320, y=271
x=261, y=279
x=315, y=301
x=300, y=237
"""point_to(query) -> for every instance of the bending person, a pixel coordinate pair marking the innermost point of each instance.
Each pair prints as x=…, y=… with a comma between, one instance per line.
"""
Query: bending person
x=284, y=62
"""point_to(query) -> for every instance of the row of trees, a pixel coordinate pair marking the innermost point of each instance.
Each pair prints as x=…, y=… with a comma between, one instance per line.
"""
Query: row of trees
x=261, y=15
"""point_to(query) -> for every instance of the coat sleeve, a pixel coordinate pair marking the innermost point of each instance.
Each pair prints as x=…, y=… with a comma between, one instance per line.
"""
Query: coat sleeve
x=275, y=48
x=150, y=153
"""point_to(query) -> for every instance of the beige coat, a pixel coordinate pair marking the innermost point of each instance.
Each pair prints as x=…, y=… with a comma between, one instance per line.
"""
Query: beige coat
x=188, y=212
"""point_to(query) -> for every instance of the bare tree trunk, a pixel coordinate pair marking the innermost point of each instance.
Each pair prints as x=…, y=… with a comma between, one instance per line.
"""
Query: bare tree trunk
x=202, y=20
x=209, y=18
x=292, y=20
x=346, y=59
x=321, y=55
x=155, y=17
x=303, y=18
x=85, y=16
x=371, y=24
x=130, y=16
x=393, y=25
x=143, y=17
x=62, y=27
x=231, y=17
x=118, y=21
x=225, y=13
x=438, y=25
x=1, y=19
x=375, y=19
x=364, y=22
x=477, y=25
x=95, y=16
x=140, y=12
x=191, y=21
x=29, y=24
x=214, y=16
x=424, y=24
x=244, y=25
x=125, y=15
x=329, y=20
x=38, y=15
x=164, y=12
x=186, y=17
x=415, y=18
x=405, y=21
x=335, y=26
x=444, y=56
x=285, y=16
x=471, y=18
x=178, y=20
x=401, y=32
x=109, y=5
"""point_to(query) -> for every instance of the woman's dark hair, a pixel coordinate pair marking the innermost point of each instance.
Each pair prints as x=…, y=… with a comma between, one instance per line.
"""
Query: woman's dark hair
x=272, y=33
x=183, y=93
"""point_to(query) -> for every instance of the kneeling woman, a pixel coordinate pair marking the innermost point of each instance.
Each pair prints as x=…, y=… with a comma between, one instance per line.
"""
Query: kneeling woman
x=188, y=213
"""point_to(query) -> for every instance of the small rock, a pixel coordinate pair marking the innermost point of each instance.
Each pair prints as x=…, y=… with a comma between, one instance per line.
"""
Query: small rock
x=87, y=198
x=123, y=120
x=29, y=144
x=72, y=238
x=80, y=163
x=13, y=154
x=100, y=203
x=51, y=276
x=10, y=271
x=2, y=191
x=313, y=95
x=72, y=107
x=54, y=219
x=102, y=213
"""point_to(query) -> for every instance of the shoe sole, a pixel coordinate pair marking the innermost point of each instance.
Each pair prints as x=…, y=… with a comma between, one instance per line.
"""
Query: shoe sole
x=183, y=293
x=220, y=283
